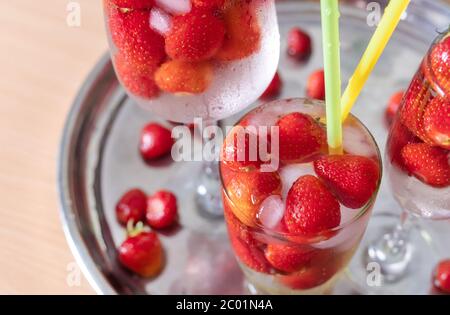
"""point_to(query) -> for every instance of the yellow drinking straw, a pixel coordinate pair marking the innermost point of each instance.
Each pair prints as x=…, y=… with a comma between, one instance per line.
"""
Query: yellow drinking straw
x=377, y=44
x=332, y=68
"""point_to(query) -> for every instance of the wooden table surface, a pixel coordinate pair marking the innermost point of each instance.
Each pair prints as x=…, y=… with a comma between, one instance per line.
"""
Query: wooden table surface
x=43, y=61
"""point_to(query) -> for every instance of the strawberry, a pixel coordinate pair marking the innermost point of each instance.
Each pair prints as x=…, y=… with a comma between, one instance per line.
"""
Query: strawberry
x=156, y=141
x=184, y=77
x=439, y=61
x=241, y=149
x=429, y=164
x=310, y=207
x=316, y=85
x=142, y=254
x=246, y=247
x=209, y=3
x=288, y=258
x=134, y=38
x=133, y=4
x=301, y=138
x=299, y=44
x=414, y=104
x=442, y=276
x=399, y=136
x=393, y=106
x=250, y=255
x=131, y=206
x=307, y=278
x=436, y=121
x=162, y=209
x=274, y=88
x=137, y=78
x=195, y=36
x=352, y=178
x=243, y=33
x=247, y=190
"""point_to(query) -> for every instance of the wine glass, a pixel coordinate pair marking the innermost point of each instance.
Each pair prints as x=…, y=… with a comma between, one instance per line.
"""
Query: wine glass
x=194, y=59
x=418, y=165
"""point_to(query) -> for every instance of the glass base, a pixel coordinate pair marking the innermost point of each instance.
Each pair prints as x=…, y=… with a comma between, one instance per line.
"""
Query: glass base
x=426, y=248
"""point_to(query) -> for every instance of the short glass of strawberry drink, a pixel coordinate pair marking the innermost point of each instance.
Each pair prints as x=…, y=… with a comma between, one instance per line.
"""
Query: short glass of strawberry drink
x=418, y=168
x=188, y=59
x=296, y=215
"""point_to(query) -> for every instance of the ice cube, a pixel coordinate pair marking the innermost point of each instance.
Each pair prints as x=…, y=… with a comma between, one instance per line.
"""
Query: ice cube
x=160, y=21
x=357, y=142
x=176, y=6
x=291, y=173
x=271, y=211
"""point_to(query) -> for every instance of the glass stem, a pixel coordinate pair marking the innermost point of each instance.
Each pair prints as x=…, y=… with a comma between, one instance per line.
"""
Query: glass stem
x=393, y=252
x=209, y=200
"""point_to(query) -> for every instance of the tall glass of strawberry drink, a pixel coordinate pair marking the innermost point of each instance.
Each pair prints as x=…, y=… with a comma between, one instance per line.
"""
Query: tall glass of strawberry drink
x=418, y=165
x=296, y=215
x=187, y=59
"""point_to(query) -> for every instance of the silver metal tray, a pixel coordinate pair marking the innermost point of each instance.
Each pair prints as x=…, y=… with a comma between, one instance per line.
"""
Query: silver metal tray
x=98, y=156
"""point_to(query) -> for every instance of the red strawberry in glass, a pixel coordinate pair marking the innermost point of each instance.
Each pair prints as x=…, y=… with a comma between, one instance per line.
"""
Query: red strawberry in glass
x=393, y=106
x=197, y=58
x=420, y=165
x=295, y=228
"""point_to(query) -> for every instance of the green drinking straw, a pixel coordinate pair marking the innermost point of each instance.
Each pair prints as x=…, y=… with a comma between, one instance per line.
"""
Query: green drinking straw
x=332, y=68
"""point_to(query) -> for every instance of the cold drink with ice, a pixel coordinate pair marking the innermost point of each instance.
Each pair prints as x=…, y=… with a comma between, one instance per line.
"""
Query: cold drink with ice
x=294, y=227
x=418, y=149
x=183, y=59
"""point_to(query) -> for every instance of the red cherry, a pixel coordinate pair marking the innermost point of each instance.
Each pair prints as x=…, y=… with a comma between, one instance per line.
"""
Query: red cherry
x=162, y=209
x=316, y=85
x=156, y=141
x=299, y=44
x=274, y=87
x=131, y=206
